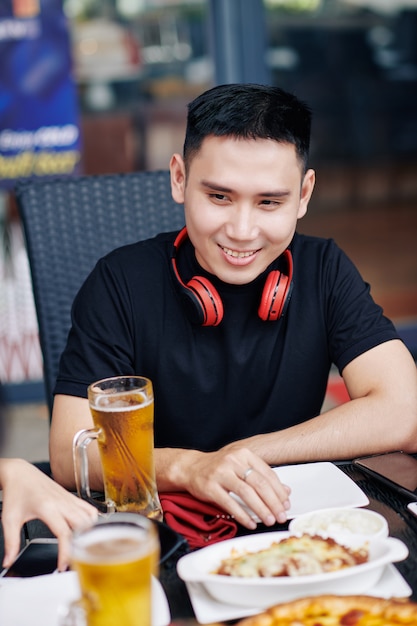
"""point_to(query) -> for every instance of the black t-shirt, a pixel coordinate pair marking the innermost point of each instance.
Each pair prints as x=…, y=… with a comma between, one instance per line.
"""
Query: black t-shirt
x=219, y=384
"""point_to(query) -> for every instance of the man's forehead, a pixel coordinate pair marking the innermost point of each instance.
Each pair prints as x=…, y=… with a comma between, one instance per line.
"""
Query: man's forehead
x=266, y=157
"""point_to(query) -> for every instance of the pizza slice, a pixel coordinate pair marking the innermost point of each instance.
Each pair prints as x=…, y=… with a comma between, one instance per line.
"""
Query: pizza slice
x=332, y=610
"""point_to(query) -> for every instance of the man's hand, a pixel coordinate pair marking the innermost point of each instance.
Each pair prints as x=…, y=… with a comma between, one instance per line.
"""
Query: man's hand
x=212, y=476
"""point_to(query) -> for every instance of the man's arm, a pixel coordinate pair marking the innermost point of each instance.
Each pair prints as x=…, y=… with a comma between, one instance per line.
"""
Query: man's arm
x=381, y=416
x=173, y=468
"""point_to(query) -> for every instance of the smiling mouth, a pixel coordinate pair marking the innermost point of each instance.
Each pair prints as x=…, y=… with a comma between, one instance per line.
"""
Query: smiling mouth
x=236, y=254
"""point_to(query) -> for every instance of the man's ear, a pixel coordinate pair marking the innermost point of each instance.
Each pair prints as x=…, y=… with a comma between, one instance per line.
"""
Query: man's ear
x=306, y=192
x=177, y=170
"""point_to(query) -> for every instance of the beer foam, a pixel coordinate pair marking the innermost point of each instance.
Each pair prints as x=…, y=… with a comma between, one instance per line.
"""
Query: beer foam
x=113, y=543
x=108, y=405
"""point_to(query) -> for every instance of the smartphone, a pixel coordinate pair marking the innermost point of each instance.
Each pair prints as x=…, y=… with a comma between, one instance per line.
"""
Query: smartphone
x=397, y=470
x=39, y=556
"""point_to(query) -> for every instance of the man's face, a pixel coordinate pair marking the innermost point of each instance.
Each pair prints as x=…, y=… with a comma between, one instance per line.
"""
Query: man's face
x=242, y=200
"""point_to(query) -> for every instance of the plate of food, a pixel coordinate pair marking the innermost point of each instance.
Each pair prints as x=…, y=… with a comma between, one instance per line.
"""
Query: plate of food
x=335, y=610
x=276, y=566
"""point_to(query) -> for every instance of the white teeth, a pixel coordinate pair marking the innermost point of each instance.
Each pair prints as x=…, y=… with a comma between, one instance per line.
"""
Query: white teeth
x=238, y=255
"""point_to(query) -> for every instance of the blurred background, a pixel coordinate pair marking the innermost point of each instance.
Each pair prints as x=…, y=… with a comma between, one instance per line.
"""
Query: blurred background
x=110, y=81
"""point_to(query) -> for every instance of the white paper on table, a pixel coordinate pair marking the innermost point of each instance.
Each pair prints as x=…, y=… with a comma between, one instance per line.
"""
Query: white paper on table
x=39, y=601
x=317, y=486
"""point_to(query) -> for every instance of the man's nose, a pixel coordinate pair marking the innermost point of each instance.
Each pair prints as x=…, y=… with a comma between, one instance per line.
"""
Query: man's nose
x=241, y=223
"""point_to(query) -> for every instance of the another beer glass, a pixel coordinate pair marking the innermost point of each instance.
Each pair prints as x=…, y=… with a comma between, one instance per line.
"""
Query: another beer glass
x=115, y=560
x=122, y=410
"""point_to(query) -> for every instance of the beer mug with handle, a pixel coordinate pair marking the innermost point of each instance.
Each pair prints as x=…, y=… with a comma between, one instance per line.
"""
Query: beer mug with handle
x=122, y=411
x=114, y=560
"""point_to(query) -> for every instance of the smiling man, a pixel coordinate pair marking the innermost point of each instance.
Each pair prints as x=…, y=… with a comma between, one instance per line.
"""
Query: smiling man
x=242, y=208
x=237, y=321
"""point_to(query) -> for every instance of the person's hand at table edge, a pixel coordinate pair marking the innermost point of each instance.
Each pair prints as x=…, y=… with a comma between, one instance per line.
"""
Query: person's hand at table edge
x=30, y=494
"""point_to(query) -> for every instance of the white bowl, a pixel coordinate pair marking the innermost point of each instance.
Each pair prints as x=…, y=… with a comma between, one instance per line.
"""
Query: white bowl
x=341, y=522
x=263, y=592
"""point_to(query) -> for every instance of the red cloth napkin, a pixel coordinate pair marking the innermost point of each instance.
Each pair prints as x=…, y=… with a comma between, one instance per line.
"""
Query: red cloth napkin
x=201, y=523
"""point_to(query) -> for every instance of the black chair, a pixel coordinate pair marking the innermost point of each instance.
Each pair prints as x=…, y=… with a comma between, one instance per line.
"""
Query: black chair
x=69, y=224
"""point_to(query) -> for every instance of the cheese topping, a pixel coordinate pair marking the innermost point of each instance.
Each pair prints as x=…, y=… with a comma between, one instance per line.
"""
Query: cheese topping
x=294, y=556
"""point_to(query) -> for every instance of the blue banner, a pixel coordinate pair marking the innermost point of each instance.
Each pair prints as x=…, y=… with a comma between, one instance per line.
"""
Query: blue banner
x=39, y=129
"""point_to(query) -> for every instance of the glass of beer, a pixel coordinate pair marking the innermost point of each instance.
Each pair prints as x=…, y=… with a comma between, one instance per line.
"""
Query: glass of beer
x=122, y=411
x=115, y=560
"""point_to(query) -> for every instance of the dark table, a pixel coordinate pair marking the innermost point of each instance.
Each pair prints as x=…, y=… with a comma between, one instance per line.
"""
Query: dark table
x=402, y=524
x=386, y=501
x=392, y=505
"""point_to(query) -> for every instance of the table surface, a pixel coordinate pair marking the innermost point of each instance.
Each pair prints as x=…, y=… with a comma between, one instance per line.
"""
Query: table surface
x=392, y=505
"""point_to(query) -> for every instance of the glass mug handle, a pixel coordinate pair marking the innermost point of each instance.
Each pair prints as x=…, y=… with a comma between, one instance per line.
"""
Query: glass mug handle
x=81, y=441
x=72, y=615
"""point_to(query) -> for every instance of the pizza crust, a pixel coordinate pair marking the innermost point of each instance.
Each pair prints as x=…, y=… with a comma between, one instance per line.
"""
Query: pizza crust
x=332, y=610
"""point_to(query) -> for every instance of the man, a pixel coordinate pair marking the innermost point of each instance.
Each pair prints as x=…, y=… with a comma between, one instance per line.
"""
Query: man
x=238, y=320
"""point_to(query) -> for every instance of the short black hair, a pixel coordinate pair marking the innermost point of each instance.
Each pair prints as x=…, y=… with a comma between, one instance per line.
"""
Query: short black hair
x=248, y=111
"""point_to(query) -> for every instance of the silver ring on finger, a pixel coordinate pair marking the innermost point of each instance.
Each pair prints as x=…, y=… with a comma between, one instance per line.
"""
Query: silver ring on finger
x=247, y=473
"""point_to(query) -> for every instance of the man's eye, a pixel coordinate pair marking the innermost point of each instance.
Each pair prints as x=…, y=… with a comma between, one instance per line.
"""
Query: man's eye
x=218, y=196
x=270, y=203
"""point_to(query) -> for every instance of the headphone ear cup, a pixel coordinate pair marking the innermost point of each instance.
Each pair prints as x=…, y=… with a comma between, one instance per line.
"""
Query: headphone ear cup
x=207, y=301
x=202, y=300
x=274, y=295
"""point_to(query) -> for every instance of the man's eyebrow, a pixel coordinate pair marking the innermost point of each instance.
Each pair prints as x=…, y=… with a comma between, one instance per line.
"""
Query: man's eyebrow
x=279, y=193
x=215, y=187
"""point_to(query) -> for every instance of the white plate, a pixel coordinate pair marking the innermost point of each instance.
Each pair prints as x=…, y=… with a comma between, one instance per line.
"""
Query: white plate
x=198, y=567
x=209, y=611
x=39, y=601
x=316, y=486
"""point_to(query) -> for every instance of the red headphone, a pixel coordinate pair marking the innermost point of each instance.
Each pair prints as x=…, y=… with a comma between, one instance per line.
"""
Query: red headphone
x=207, y=306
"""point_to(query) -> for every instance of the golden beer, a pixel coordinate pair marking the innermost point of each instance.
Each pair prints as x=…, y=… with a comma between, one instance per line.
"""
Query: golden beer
x=126, y=451
x=122, y=411
x=115, y=563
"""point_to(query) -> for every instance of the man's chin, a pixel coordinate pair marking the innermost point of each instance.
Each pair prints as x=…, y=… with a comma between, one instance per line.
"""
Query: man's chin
x=238, y=276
